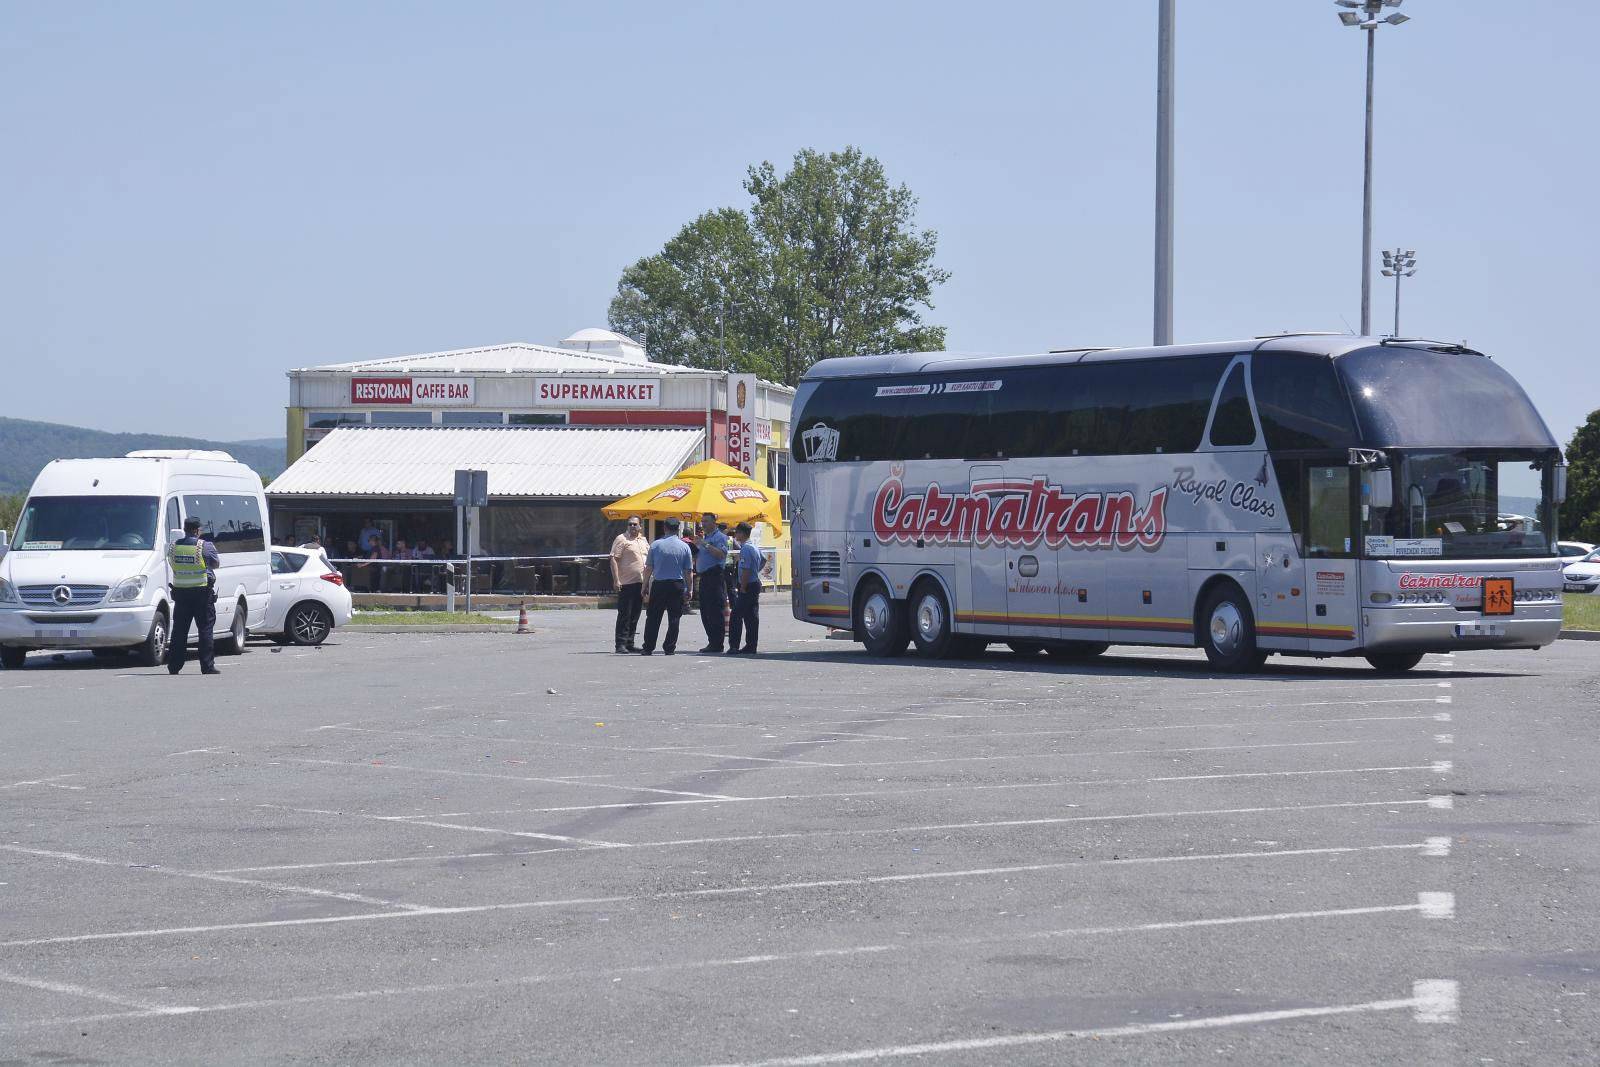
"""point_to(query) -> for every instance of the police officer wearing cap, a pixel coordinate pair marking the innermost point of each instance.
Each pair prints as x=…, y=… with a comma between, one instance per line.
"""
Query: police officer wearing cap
x=666, y=570
x=194, y=566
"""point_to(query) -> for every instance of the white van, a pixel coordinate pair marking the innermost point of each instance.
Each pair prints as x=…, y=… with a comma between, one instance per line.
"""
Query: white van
x=87, y=565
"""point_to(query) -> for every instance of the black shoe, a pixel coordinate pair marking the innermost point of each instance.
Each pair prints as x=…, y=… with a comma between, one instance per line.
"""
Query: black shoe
x=174, y=670
x=669, y=652
x=711, y=648
x=635, y=648
x=646, y=652
x=622, y=650
x=209, y=670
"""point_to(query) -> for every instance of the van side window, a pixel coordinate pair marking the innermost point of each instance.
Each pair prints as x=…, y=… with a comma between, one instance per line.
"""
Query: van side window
x=1232, y=425
x=173, y=521
x=230, y=521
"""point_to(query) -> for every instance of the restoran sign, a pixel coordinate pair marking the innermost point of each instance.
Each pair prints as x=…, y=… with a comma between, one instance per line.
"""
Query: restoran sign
x=601, y=391
x=421, y=392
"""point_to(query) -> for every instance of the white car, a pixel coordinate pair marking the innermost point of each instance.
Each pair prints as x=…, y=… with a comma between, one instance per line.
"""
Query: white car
x=1582, y=576
x=1573, y=551
x=308, y=597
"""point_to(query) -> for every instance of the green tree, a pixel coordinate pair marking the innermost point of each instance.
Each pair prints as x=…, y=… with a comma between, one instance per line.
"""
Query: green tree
x=10, y=510
x=1580, y=515
x=827, y=262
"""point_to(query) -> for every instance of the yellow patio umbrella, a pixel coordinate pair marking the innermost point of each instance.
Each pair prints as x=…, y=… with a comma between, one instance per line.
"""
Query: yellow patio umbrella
x=713, y=486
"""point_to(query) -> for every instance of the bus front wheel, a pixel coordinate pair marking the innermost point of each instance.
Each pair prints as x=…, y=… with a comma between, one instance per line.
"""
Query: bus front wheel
x=880, y=623
x=1228, y=632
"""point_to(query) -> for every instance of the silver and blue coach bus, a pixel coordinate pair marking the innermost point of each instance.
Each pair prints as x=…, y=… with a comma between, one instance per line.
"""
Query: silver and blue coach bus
x=1306, y=494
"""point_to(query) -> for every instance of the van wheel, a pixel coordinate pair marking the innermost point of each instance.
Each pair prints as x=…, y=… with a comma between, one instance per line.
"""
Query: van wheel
x=1394, y=662
x=931, y=626
x=1228, y=632
x=153, y=652
x=880, y=623
x=1026, y=648
x=233, y=644
x=12, y=659
x=1077, y=649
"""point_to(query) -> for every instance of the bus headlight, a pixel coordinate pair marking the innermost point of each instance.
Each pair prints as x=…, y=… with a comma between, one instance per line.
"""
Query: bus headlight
x=8, y=592
x=130, y=589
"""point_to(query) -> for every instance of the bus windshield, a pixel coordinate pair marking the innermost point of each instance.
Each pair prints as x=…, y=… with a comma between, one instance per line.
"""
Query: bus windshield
x=1464, y=505
x=87, y=523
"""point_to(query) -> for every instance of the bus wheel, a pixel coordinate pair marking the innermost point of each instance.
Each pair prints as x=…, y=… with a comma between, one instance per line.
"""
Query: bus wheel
x=931, y=626
x=1394, y=662
x=1077, y=649
x=1229, y=632
x=1025, y=648
x=880, y=622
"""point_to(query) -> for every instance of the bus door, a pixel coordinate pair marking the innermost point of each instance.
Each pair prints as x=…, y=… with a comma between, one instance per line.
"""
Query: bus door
x=989, y=572
x=1332, y=599
x=1032, y=599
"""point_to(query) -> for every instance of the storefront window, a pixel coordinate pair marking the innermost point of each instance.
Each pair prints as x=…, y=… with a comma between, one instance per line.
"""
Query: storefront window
x=402, y=418
x=471, y=418
x=537, y=418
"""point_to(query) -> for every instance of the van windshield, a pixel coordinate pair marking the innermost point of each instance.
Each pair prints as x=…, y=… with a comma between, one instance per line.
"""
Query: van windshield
x=87, y=523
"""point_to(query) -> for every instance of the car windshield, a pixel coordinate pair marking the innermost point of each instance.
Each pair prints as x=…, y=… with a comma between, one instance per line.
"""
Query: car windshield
x=1464, y=505
x=87, y=523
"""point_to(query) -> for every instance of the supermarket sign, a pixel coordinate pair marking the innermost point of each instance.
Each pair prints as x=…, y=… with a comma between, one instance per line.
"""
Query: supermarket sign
x=414, y=391
x=600, y=391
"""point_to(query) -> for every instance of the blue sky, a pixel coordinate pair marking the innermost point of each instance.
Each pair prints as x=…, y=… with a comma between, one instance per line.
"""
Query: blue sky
x=219, y=192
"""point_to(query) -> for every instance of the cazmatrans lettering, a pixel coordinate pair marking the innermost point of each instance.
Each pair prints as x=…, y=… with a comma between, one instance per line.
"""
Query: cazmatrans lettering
x=1019, y=514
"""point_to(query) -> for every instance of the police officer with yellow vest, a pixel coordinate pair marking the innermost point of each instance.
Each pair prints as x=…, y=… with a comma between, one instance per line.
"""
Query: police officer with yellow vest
x=194, y=597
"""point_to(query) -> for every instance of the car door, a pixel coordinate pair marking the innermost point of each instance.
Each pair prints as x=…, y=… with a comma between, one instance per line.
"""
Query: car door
x=285, y=584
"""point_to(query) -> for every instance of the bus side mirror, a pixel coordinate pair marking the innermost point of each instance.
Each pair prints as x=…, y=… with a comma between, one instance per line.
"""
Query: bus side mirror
x=1561, y=483
x=1381, y=482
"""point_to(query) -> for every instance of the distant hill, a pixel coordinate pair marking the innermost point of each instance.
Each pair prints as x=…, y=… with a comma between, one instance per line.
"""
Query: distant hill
x=25, y=447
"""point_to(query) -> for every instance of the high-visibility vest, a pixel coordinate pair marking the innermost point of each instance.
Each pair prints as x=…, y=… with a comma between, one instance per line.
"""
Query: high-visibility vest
x=188, y=566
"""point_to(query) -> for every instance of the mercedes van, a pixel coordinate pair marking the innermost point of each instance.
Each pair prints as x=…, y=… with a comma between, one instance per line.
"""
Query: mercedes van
x=86, y=567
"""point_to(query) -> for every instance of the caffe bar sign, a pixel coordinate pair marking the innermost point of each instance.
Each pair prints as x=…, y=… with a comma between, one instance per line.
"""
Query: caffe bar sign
x=414, y=391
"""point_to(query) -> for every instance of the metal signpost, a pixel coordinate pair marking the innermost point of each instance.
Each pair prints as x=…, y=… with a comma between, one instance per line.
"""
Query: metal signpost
x=472, y=491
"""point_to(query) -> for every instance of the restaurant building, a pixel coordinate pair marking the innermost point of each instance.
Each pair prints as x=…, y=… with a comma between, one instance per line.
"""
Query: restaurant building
x=562, y=429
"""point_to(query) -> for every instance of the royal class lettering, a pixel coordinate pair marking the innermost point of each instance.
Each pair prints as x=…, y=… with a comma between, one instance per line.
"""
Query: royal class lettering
x=1019, y=513
x=1240, y=495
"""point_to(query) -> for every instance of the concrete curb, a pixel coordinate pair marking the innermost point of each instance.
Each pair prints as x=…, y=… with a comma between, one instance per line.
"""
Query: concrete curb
x=443, y=628
x=1580, y=635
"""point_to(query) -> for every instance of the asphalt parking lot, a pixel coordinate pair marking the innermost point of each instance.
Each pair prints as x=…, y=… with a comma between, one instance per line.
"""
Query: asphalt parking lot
x=469, y=848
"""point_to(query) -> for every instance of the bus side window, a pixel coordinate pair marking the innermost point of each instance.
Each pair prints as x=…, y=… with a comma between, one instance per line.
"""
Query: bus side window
x=1232, y=425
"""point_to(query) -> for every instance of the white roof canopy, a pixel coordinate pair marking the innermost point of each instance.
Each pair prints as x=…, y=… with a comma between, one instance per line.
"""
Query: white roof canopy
x=522, y=461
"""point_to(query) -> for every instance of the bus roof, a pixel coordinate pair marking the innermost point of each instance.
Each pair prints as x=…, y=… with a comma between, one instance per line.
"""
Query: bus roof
x=1319, y=344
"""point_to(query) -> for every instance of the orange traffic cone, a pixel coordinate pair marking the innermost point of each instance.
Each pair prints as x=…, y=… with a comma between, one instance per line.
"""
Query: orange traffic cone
x=522, y=618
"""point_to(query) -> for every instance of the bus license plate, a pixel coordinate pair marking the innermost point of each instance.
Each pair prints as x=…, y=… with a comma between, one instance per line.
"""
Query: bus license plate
x=1480, y=629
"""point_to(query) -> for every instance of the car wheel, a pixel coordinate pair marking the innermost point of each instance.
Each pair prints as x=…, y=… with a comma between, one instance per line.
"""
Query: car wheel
x=931, y=625
x=233, y=644
x=1026, y=648
x=153, y=652
x=308, y=624
x=1228, y=632
x=1077, y=649
x=880, y=623
x=1394, y=662
x=12, y=659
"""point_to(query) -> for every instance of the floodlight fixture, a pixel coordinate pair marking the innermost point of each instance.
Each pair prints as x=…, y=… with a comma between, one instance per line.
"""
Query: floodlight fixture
x=1397, y=18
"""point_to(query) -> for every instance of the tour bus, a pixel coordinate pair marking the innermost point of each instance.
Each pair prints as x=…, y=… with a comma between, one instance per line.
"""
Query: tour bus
x=1300, y=494
x=87, y=567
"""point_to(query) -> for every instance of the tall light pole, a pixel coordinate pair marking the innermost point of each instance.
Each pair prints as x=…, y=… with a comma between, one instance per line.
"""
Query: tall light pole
x=1401, y=263
x=1363, y=15
x=1164, y=78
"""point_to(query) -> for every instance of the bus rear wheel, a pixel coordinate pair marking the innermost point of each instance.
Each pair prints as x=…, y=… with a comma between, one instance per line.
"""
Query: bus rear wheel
x=1228, y=632
x=1394, y=662
x=880, y=623
x=931, y=626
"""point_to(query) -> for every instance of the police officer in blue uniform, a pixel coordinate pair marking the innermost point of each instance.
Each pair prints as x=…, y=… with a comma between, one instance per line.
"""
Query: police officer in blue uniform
x=708, y=569
x=746, y=622
x=666, y=571
x=194, y=566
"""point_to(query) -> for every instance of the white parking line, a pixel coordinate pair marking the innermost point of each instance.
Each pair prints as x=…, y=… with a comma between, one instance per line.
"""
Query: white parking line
x=1095, y=753
x=727, y=891
x=143, y=1007
x=935, y=944
x=513, y=778
x=210, y=876
x=1431, y=1001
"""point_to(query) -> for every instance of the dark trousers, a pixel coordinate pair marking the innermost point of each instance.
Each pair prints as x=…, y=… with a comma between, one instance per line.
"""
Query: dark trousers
x=746, y=618
x=629, y=603
x=730, y=581
x=713, y=598
x=192, y=606
x=666, y=598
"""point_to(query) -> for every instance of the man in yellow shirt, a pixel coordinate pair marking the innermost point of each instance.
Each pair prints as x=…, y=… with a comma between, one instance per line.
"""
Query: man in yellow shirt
x=627, y=575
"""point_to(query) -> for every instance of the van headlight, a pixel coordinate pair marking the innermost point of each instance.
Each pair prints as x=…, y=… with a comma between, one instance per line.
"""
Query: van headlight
x=129, y=589
x=8, y=592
